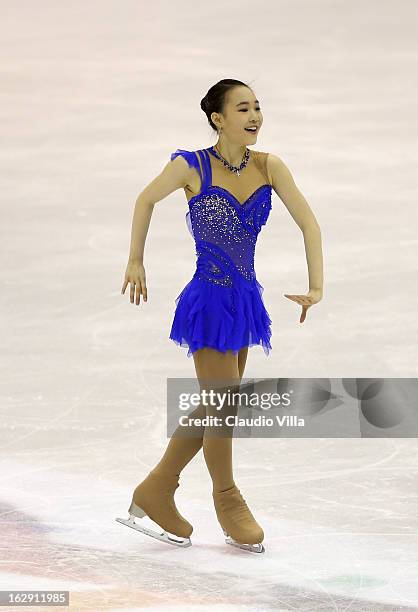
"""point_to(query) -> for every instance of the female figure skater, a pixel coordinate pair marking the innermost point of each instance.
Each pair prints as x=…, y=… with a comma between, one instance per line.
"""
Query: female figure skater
x=220, y=312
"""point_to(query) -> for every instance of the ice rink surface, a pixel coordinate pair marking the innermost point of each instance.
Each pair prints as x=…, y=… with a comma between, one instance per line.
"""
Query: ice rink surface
x=95, y=98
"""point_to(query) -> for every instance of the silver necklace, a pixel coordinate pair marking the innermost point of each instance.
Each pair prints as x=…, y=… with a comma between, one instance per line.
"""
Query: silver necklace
x=230, y=166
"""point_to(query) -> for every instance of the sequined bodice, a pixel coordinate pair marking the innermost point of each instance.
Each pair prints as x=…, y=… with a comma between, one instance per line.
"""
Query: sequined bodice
x=225, y=231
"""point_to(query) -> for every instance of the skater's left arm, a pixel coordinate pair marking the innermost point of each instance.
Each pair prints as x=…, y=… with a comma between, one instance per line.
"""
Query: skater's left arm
x=284, y=185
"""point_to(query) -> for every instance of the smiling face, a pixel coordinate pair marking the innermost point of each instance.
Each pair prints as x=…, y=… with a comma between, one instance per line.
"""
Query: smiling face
x=241, y=110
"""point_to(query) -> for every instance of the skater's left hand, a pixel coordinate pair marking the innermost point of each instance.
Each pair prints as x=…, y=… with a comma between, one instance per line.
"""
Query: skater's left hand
x=306, y=301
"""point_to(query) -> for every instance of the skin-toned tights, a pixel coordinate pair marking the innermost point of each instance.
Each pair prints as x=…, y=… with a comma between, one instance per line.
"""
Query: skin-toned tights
x=217, y=443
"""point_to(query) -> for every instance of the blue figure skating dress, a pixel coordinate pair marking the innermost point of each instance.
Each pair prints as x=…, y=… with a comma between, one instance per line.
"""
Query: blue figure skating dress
x=222, y=306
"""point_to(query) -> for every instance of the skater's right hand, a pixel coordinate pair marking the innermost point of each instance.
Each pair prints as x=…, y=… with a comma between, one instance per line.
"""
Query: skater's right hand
x=135, y=274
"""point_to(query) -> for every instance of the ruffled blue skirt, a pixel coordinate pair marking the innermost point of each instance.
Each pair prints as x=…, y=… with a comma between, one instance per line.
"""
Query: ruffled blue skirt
x=224, y=318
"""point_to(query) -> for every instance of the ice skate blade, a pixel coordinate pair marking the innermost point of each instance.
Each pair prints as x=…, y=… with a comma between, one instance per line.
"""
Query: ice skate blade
x=256, y=548
x=163, y=537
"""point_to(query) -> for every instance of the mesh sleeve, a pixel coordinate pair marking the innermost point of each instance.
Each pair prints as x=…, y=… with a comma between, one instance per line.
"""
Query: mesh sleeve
x=261, y=160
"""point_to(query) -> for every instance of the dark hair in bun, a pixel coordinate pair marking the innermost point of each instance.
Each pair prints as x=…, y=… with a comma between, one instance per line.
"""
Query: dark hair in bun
x=214, y=100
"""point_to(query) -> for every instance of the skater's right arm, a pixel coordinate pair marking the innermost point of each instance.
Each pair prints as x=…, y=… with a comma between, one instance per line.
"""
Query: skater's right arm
x=175, y=175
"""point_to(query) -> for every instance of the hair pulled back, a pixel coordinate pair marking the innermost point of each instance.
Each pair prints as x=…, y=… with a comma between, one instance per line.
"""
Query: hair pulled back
x=214, y=100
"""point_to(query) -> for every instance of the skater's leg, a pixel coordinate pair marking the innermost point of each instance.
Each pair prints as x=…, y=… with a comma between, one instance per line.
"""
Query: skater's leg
x=181, y=450
x=242, y=360
x=154, y=496
x=236, y=519
x=218, y=372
